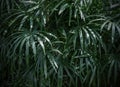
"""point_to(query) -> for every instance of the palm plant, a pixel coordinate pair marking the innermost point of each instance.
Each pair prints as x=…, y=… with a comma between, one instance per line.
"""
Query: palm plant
x=59, y=43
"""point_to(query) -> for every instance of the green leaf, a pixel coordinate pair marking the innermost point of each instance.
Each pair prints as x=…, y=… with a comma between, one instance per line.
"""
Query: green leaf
x=22, y=22
x=63, y=7
x=41, y=44
x=34, y=48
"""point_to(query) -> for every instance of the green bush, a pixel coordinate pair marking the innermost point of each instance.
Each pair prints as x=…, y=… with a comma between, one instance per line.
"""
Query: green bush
x=59, y=43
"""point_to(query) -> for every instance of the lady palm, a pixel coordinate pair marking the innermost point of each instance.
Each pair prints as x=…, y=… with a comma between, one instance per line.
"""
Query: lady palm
x=59, y=43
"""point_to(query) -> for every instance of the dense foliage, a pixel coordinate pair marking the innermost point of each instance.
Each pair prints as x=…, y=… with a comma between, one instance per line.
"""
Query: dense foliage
x=59, y=43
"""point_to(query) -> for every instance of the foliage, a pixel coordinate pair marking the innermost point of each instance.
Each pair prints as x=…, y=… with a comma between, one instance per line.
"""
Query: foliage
x=59, y=43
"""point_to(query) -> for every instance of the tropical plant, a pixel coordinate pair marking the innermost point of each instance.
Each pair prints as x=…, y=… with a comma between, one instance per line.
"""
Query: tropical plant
x=59, y=43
